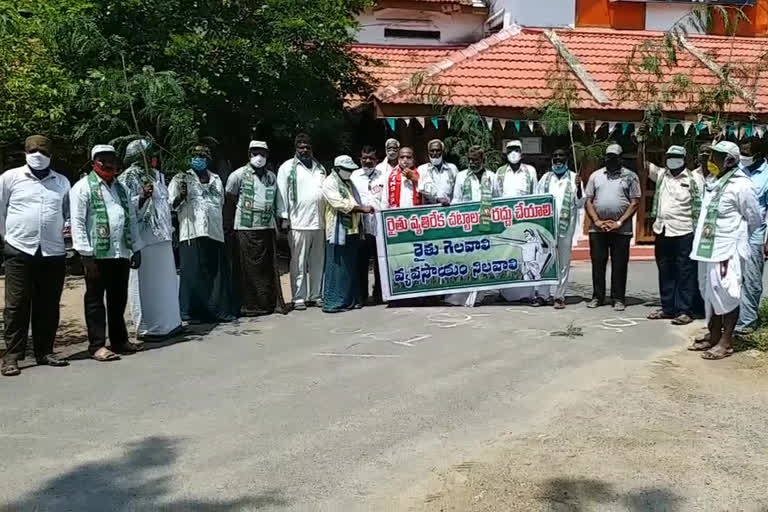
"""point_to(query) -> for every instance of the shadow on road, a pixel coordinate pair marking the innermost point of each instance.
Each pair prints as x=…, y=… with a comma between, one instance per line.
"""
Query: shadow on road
x=582, y=494
x=140, y=480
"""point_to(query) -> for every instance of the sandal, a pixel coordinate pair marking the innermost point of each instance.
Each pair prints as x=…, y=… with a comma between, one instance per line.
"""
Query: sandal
x=660, y=315
x=716, y=356
x=129, y=348
x=682, y=320
x=559, y=304
x=104, y=355
x=538, y=302
x=10, y=369
x=700, y=346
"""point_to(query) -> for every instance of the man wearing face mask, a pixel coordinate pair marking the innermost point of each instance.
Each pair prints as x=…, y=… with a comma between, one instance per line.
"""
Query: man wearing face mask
x=437, y=177
x=754, y=165
x=476, y=183
x=392, y=150
x=676, y=207
x=403, y=182
x=153, y=288
x=34, y=205
x=565, y=186
x=106, y=235
x=369, y=183
x=343, y=234
x=301, y=208
x=197, y=195
x=516, y=178
x=253, y=188
x=730, y=214
x=613, y=195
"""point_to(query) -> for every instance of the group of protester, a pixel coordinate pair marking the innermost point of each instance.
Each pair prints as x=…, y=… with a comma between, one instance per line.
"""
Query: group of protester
x=122, y=229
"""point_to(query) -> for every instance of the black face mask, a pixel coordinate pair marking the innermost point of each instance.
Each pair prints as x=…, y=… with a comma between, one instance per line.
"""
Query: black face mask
x=613, y=164
x=40, y=174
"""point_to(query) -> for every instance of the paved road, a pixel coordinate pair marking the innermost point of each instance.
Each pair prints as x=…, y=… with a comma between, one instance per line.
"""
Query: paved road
x=307, y=411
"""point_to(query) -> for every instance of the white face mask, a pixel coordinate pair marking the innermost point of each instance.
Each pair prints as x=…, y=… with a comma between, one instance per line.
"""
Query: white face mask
x=345, y=175
x=436, y=161
x=392, y=154
x=514, y=157
x=674, y=164
x=258, y=161
x=746, y=161
x=38, y=161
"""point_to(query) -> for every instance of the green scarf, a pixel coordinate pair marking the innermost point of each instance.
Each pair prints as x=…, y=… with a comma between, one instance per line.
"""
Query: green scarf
x=486, y=194
x=247, y=199
x=565, y=211
x=507, y=168
x=707, y=240
x=103, y=242
x=293, y=186
x=695, y=197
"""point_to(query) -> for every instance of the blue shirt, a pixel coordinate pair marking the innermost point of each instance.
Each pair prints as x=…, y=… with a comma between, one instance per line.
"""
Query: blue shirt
x=759, y=178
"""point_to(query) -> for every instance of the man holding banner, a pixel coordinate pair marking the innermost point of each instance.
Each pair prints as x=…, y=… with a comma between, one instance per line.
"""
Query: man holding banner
x=474, y=184
x=565, y=186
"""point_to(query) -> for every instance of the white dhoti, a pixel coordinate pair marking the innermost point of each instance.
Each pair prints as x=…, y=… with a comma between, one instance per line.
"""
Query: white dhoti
x=153, y=292
x=519, y=294
x=307, y=264
x=564, y=249
x=470, y=299
x=721, y=294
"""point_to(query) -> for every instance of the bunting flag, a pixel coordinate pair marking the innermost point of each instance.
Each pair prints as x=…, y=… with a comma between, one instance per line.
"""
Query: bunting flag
x=489, y=122
x=435, y=122
x=611, y=126
x=448, y=120
x=407, y=122
x=391, y=123
x=582, y=125
x=598, y=125
x=759, y=130
x=530, y=126
x=686, y=127
x=420, y=120
x=503, y=123
x=698, y=127
x=749, y=130
x=624, y=128
x=517, y=126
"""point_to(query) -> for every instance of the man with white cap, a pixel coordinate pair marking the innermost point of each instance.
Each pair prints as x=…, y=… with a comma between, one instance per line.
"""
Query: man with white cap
x=676, y=207
x=153, y=289
x=438, y=177
x=392, y=152
x=517, y=179
x=301, y=209
x=613, y=195
x=34, y=206
x=343, y=233
x=106, y=235
x=730, y=214
x=253, y=188
x=754, y=165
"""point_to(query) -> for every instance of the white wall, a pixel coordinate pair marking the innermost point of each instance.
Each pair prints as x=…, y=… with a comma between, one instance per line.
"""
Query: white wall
x=663, y=16
x=539, y=13
x=454, y=28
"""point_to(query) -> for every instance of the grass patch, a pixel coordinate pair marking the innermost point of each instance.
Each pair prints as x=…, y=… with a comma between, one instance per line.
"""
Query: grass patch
x=570, y=332
x=757, y=340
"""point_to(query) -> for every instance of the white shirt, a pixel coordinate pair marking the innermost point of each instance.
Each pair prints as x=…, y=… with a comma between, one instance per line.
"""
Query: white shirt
x=406, y=192
x=557, y=187
x=306, y=211
x=370, y=185
x=458, y=196
x=515, y=183
x=437, y=182
x=384, y=167
x=33, y=211
x=154, y=218
x=200, y=214
x=235, y=181
x=83, y=219
x=738, y=216
x=675, y=200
